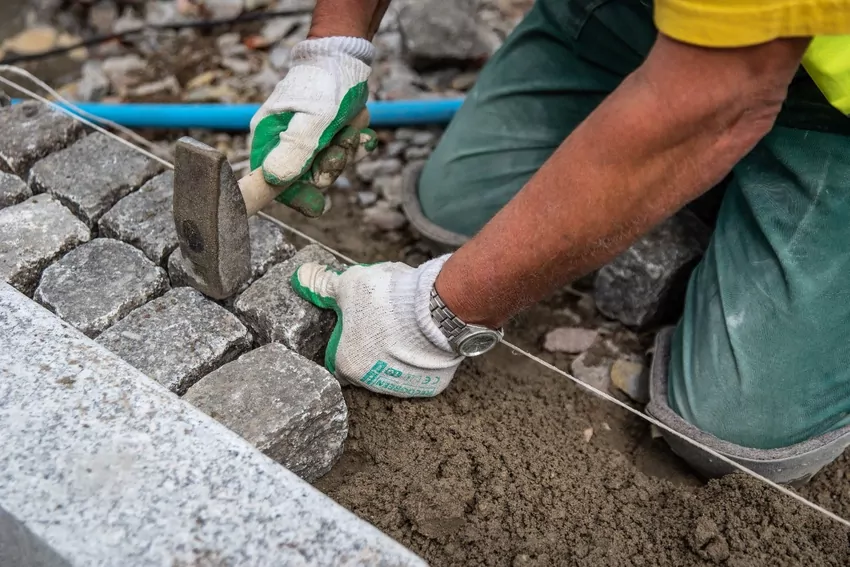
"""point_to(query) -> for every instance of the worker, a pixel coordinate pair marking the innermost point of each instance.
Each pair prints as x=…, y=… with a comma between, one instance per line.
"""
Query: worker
x=594, y=122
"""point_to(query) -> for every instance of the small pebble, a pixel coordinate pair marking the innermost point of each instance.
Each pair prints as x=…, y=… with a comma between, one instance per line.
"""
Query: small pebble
x=405, y=134
x=390, y=188
x=366, y=198
x=632, y=379
x=384, y=217
x=592, y=370
x=414, y=153
x=396, y=148
x=369, y=170
x=423, y=138
x=343, y=183
x=571, y=340
x=588, y=434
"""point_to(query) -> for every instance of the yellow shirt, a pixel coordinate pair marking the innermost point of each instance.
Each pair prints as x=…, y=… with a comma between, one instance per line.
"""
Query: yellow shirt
x=738, y=23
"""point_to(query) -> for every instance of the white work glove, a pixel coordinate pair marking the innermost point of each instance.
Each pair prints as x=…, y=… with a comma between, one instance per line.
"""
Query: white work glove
x=384, y=339
x=300, y=136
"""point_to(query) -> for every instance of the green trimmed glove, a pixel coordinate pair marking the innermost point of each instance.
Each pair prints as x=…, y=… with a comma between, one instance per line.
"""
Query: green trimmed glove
x=385, y=339
x=301, y=135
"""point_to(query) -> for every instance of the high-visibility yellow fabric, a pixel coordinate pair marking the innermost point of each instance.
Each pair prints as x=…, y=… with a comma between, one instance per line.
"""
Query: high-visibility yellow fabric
x=739, y=23
x=827, y=60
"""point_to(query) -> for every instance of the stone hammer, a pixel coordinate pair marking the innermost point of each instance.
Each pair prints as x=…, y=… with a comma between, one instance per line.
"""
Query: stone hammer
x=211, y=210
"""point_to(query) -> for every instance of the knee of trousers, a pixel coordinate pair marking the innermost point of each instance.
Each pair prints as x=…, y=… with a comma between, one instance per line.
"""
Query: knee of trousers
x=793, y=465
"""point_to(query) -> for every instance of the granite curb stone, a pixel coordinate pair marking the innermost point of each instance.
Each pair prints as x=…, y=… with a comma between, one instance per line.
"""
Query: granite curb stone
x=98, y=283
x=144, y=219
x=32, y=235
x=288, y=407
x=177, y=338
x=275, y=313
x=91, y=175
x=103, y=466
x=31, y=130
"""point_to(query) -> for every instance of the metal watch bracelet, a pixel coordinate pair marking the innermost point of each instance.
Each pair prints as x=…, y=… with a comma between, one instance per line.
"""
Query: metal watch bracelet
x=465, y=339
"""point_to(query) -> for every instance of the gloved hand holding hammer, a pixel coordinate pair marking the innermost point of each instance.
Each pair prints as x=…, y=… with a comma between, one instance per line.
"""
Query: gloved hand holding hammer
x=315, y=120
x=385, y=338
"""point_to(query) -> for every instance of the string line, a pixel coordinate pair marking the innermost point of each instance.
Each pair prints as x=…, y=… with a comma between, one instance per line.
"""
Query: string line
x=538, y=360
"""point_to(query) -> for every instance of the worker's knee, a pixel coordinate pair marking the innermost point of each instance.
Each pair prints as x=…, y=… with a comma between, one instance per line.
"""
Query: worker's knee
x=748, y=426
x=460, y=190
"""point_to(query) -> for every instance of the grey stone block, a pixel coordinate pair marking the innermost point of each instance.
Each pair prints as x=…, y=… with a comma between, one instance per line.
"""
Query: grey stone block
x=102, y=466
x=32, y=235
x=443, y=31
x=13, y=190
x=31, y=130
x=285, y=405
x=98, y=283
x=275, y=313
x=268, y=247
x=92, y=175
x=144, y=219
x=177, y=338
x=646, y=284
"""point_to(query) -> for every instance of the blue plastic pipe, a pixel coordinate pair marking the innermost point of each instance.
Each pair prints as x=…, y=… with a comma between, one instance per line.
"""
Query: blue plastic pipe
x=238, y=116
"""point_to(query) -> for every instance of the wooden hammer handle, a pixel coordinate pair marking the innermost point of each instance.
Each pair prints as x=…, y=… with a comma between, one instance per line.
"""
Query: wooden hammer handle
x=257, y=193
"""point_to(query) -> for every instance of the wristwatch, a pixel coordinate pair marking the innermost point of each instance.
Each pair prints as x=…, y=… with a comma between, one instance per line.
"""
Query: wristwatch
x=465, y=339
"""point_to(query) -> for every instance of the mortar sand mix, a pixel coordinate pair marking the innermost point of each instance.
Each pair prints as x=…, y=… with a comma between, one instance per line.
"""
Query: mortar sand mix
x=498, y=469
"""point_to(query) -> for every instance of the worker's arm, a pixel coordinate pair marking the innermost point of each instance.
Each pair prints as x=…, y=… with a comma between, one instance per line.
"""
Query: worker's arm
x=300, y=136
x=668, y=133
x=357, y=18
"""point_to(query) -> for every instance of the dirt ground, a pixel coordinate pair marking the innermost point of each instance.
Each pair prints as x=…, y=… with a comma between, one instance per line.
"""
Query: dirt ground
x=498, y=469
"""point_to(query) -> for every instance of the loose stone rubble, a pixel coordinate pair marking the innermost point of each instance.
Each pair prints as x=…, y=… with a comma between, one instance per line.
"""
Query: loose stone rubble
x=144, y=219
x=92, y=175
x=285, y=405
x=177, y=338
x=32, y=235
x=275, y=313
x=98, y=283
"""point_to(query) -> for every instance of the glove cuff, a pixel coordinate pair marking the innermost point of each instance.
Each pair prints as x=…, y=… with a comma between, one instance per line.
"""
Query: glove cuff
x=428, y=273
x=356, y=47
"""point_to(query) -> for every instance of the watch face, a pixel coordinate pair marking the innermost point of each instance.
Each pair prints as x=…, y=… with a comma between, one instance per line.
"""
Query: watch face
x=479, y=343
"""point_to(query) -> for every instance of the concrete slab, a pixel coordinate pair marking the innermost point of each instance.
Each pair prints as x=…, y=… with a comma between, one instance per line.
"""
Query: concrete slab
x=275, y=313
x=177, y=338
x=102, y=466
x=98, y=283
x=269, y=246
x=32, y=235
x=91, y=175
x=285, y=405
x=31, y=130
x=144, y=219
x=13, y=190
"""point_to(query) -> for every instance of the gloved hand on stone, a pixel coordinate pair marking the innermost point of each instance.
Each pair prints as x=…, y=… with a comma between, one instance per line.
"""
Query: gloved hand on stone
x=385, y=339
x=301, y=135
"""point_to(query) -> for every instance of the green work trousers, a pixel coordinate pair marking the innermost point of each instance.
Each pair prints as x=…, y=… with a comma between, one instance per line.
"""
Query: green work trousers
x=760, y=356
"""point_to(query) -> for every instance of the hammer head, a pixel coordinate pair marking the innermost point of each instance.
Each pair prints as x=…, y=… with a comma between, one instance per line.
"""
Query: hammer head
x=211, y=220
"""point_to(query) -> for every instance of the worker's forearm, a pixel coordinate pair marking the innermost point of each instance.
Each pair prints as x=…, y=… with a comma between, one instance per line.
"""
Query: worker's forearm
x=352, y=18
x=661, y=139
